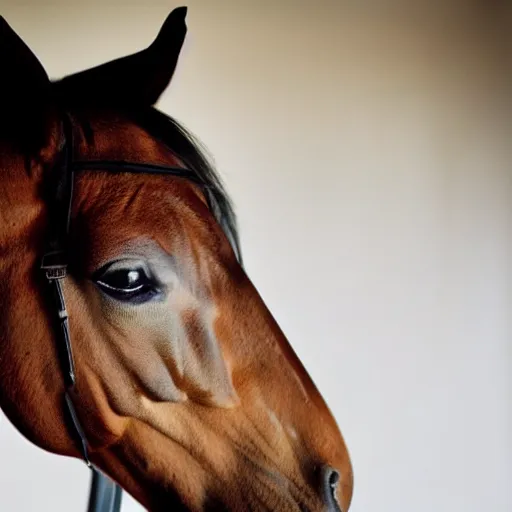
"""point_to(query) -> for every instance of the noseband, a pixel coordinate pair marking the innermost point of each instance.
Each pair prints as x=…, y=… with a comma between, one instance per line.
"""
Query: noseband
x=54, y=265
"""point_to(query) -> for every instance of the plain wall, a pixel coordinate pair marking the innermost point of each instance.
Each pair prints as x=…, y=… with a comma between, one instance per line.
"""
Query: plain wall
x=367, y=148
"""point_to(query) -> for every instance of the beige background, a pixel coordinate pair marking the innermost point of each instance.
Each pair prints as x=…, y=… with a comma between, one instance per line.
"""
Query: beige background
x=367, y=147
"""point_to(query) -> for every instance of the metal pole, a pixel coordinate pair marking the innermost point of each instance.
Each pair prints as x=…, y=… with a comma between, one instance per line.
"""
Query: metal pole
x=105, y=495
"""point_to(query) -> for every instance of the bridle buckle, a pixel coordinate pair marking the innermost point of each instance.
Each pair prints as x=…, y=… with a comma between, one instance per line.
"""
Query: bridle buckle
x=54, y=264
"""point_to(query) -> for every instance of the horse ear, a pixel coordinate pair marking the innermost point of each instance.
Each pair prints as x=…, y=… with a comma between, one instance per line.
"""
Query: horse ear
x=134, y=81
x=24, y=81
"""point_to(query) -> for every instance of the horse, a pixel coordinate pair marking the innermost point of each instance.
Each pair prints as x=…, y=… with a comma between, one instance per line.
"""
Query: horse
x=131, y=336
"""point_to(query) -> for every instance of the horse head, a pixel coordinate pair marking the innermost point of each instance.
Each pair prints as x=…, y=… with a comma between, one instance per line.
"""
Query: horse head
x=186, y=389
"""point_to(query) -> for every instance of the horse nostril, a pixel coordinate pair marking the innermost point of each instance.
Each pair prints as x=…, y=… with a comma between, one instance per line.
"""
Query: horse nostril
x=334, y=478
x=330, y=479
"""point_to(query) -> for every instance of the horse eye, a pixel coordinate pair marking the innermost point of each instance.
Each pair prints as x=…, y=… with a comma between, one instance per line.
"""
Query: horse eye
x=127, y=284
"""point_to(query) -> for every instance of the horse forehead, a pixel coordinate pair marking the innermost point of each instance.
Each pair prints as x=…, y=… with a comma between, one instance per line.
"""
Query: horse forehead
x=132, y=199
x=120, y=139
x=114, y=209
x=139, y=197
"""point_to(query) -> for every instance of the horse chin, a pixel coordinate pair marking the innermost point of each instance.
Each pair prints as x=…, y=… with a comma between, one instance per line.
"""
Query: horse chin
x=245, y=483
x=255, y=498
x=256, y=489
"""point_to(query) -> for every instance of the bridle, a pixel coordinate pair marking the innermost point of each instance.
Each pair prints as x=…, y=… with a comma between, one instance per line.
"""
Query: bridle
x=54, y=265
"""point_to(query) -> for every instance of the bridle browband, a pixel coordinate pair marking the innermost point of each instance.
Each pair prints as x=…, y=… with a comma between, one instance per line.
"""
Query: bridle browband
x=54, y=263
